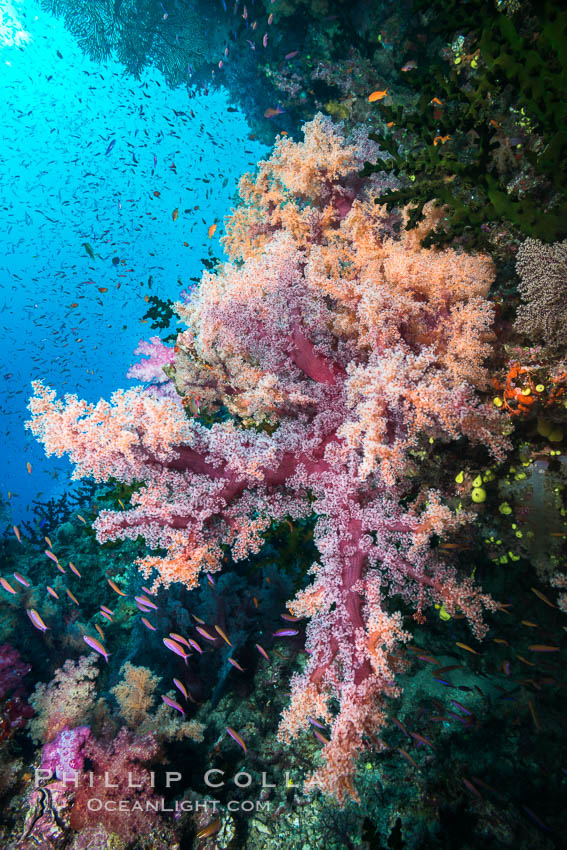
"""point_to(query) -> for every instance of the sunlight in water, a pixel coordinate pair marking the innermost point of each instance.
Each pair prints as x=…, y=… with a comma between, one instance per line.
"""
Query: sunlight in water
x=12, y=34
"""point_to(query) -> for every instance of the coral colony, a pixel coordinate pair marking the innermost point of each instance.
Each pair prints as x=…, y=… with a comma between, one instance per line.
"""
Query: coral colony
x=311, y=584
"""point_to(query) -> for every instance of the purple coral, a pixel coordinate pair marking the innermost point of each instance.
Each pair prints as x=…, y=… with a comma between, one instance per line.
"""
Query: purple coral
x=65, y=754
x=12, y=671
x=14, y=710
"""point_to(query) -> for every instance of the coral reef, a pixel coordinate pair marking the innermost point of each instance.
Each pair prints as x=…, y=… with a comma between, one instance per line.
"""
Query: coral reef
x=67, y=700
x=543, y=287
x=339, y=350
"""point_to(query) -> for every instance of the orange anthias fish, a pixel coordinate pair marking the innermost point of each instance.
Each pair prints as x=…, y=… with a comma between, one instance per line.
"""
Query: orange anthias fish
x=440, y=140
x=6, y=585
x=223, y=635
x=175, y=213
x=29, y=467
x=97, y=646
x=236, y=737
x=467, y=647
x=543, y=597
x=115, y=587
x=211, y=230
x=377, y=95
x=211, y=828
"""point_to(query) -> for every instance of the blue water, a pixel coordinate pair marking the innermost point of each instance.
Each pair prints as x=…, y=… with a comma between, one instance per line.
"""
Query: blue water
x=61, y=186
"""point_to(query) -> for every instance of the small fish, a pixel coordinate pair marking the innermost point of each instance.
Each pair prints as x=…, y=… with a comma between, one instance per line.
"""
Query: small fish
x=461, y=706
x=525, y=661
x=255, y=601
x=265, y=40
x=320, y=737
x=466, y=647
x=95, y=644
x=535, y=818
x=290, y=618
x=316, y=723
x=211, y=829
x=143, y=600
x=209, y=576
x=377, y=95
x=262, y=651
x=429, y=658
x=198, y=619
x=291, y=55
x=52, y=556
x=107, y=610
x=543, y=597
x=181, y=687
x=7, y=586
x=180, y=639
x=285, y=633
x=109, y=148
x=81, y=518
x=99, y=630
x=88, y=248
x=115, y=587
x=211, y=230
x=422, y=740
x=442, y=670
x=541, y=647
x=271, y=112
x=409, y=66
x=175, y=213
x=148, y=625
x=195, y=646
x=236, y=664
x=440, y=140
x=106, y=616
x=36, y=619
x=48, y=541
x=222, y=634
x=173, y=704
x=270, y=18
x=534, y=715
x=501, y=641
x=236, y=737
x=436, y=101
x=407, y=756
x=204, y=633
x=71, y=596
x=74, y=569
x=470, y=787
x=401, y=726
x=19, y=577
x=530, y=624
x=17, y=533
x=176, y=648
x=52, y=592
x=29, y=467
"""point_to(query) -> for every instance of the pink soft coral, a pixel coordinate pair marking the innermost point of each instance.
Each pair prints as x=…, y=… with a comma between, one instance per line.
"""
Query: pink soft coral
x=340, y=352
